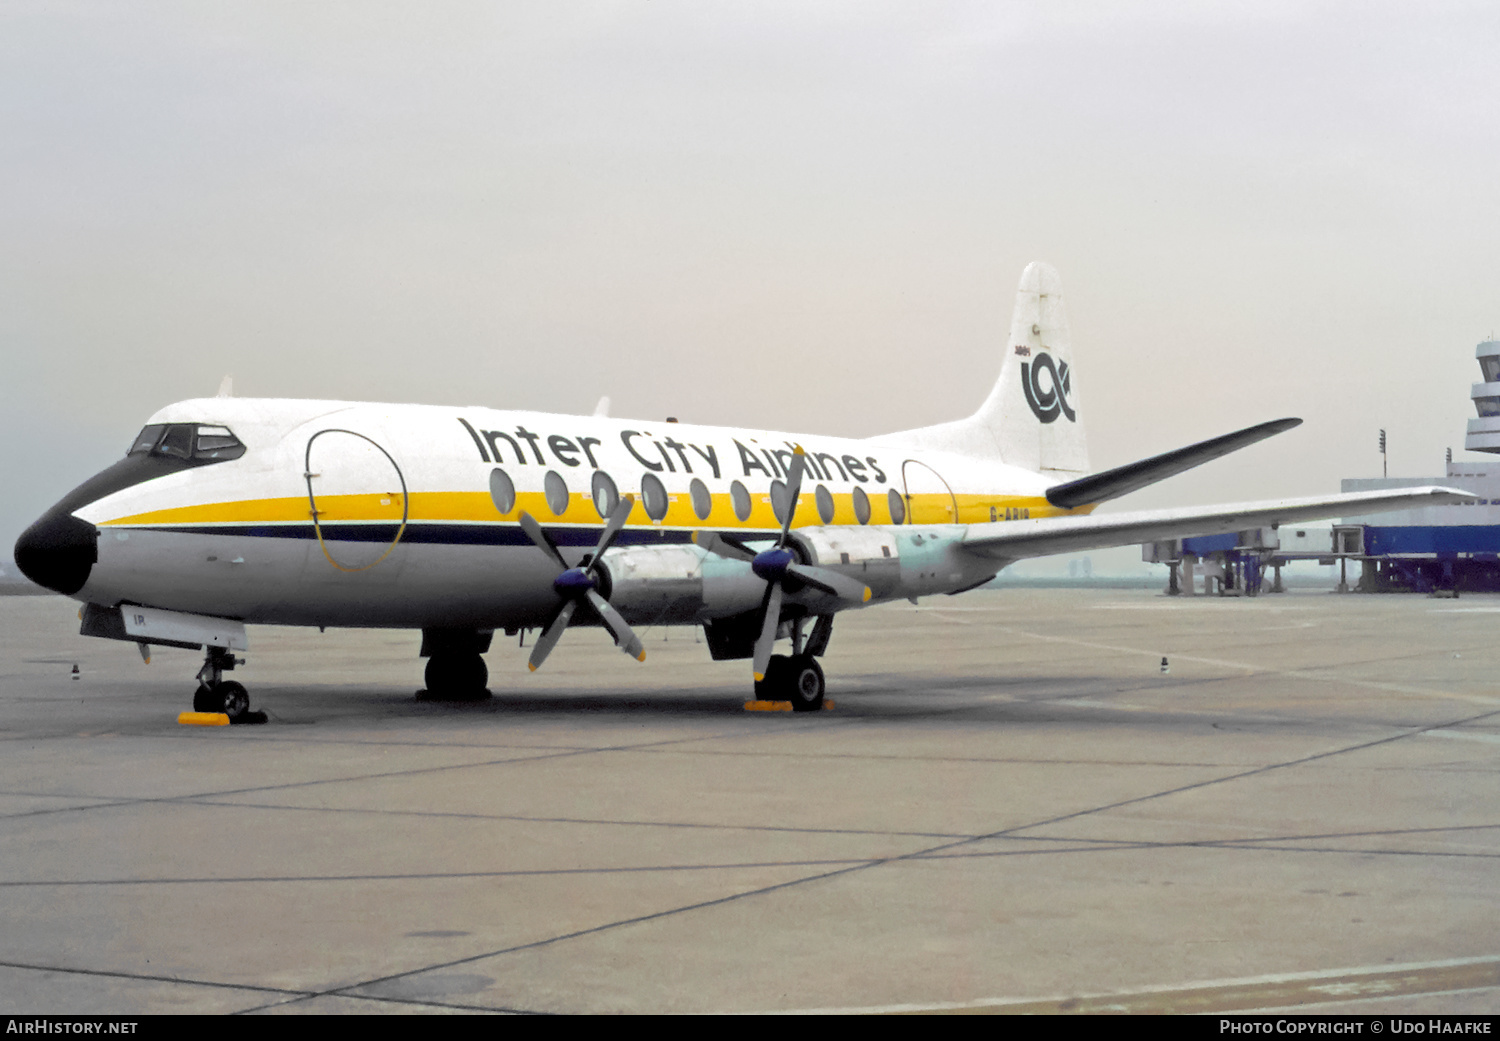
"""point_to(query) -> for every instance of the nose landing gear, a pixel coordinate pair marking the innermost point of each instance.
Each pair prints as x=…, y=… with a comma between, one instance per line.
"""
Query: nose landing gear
x=216, y=694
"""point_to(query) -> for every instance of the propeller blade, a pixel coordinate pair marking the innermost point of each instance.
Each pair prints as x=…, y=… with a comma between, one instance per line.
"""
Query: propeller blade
x=612, y=528
x=793, y=491
x=543, y=541
x=831, y=582
x=625, y=637
x=552, y=634
x=767, y=640
x=718, y=545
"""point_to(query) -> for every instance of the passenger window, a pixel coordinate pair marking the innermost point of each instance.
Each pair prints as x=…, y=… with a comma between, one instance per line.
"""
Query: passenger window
x=739, y=498
x=606, y=495
x=825, y=504
x=898, y=507
x=778, y=501
x=702, y=501
x=557, y=492
x=861, y=505
x=502, y=490
x=654, y=496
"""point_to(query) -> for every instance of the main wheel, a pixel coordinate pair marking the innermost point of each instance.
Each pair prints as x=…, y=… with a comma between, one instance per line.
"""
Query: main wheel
x=234, y=699
x=804, y=683
x=456, y=677
x=472, y=676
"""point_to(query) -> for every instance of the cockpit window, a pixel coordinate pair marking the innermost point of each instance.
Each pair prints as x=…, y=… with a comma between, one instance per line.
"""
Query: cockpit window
x=188, y=441
x=146, y=439
x=217, y=443
x=177, y=442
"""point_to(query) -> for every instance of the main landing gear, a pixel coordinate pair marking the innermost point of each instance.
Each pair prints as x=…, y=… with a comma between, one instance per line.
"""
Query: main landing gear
x=455, y=665
x=797, y=678
x=455, y=677
x=216, y=694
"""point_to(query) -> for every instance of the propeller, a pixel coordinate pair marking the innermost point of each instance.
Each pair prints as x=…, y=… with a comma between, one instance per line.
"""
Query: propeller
x=779, y=564
x=578, y=585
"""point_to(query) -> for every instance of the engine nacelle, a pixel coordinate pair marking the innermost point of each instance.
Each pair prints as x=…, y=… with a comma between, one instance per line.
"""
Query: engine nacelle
x=685, y=585
x=898, y=561
x=868, y=555
x=677, y=585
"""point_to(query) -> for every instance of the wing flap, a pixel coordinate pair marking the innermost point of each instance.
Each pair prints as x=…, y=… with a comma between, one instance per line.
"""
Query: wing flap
x=1016, y=540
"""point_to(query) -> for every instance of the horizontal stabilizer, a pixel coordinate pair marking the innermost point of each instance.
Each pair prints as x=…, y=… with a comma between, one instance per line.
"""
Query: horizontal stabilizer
x=1015, y=540
x=1111, y=484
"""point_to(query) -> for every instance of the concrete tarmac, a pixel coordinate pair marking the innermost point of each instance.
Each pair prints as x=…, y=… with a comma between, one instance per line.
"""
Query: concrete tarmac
x=1010, y=808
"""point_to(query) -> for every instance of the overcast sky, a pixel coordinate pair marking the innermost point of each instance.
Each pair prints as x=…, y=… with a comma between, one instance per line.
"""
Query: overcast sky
x=805, y=216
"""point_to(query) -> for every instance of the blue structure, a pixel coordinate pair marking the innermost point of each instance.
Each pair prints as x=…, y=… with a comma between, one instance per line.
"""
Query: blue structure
x=1442, y=547
x=1437, y=549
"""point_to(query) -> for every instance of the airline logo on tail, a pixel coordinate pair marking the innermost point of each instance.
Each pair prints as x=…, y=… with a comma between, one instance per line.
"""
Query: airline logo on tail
x=1048, y=398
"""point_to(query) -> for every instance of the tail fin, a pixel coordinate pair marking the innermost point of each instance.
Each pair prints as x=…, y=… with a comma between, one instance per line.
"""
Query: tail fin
x=1031, y=417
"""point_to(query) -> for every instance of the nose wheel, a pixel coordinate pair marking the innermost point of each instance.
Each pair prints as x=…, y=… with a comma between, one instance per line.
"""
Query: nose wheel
x=216, y=694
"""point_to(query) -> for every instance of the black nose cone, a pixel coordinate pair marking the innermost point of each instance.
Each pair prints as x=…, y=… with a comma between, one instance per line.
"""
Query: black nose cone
x=58, y=551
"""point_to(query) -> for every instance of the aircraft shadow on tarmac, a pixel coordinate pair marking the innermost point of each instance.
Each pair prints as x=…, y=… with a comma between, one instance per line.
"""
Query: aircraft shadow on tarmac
x=994, y=699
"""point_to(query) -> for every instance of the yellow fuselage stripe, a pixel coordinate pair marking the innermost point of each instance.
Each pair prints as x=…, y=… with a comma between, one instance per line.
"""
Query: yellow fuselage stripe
x=478, y=507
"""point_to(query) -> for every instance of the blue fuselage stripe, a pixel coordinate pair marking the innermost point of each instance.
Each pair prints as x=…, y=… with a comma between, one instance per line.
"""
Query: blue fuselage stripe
x=449, y=534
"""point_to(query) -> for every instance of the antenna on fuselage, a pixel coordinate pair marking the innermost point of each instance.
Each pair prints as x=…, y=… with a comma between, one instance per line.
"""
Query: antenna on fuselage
x=226, y=387
x=601, y=410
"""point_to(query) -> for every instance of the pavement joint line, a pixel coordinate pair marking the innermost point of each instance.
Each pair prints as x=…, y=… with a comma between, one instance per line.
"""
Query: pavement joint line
x=593, y=930
x=189, y=796
x=152, y=978
x=1084, y=847
x=623, y=823
x=416, y=875
x=1059, y=846
x=1373, y=833
x=1342, y=985
x=498, y=1010
x=300, y=995
x=1358, y=851
x=1365, y=834
x=1267, y=768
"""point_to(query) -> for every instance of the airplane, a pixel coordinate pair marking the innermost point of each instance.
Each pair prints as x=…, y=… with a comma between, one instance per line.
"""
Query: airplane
x=466, y=521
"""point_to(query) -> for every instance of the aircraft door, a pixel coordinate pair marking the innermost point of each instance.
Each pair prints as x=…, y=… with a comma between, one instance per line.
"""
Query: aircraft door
x=358, y=498
x=929, y=500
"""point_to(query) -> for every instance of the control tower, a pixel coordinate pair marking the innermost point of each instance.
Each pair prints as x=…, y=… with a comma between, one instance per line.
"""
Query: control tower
x=1484, y=431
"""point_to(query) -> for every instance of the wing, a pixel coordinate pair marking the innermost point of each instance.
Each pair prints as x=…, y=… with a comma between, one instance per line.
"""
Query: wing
x=1015, y=540
x=1111, y=484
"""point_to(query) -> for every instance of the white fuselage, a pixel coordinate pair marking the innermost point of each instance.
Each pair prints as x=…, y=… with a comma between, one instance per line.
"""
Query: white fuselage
x=355, y=514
